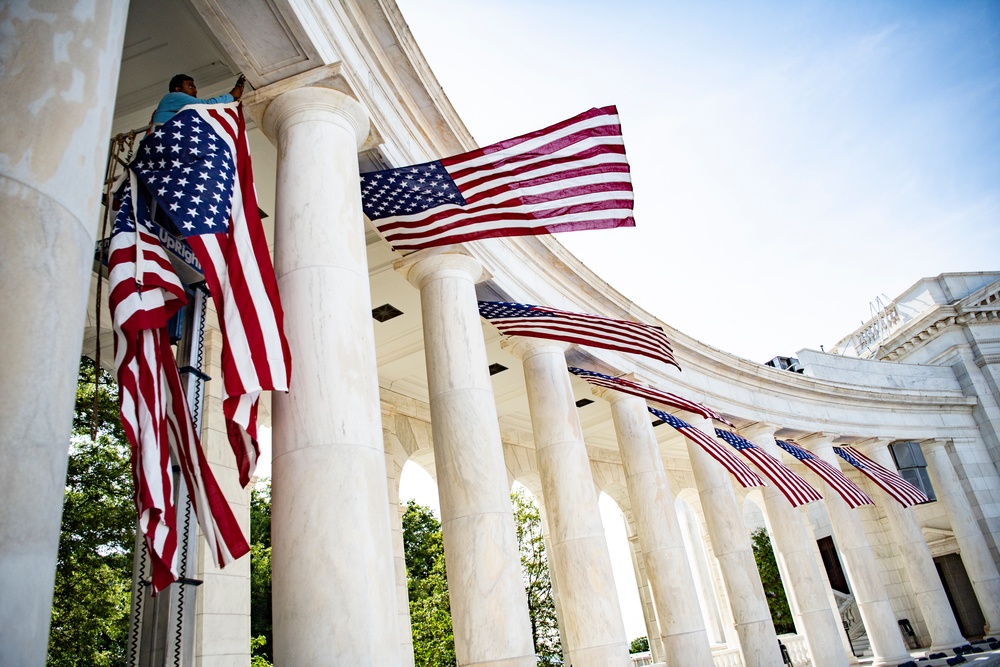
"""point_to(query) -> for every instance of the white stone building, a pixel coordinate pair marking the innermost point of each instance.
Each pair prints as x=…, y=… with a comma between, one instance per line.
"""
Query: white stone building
x=341, y=87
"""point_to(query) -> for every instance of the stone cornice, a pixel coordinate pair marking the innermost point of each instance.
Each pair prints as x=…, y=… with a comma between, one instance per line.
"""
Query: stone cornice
x=943, y=318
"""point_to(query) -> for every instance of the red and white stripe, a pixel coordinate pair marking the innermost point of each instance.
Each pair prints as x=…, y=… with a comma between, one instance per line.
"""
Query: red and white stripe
x=737, y=468
x=889, y=481
x=144, y=293
x=656, y=396
x=139, y=317
x=568, y=177
x=240, y=277
x=794, y=488
x=852, y=494
x=584, y=329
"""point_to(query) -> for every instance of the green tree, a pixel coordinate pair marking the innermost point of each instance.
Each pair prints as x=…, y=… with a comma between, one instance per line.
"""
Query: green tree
x=639, y=645
x=774, y=590
x=427, y=586
x=537, y=582
x=90, y=607
x=261, y=644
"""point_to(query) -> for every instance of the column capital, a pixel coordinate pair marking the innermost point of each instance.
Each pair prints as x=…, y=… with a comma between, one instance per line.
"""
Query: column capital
x=876, y=444
x=453, y=260
x=759, y=431
x=312, y=103
x=933, y=444
x=818, y=439
x=524, y=347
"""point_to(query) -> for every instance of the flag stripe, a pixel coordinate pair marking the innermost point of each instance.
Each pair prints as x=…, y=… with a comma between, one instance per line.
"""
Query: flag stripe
x=902, y=491
x=649, y=393
x=848, y=490
x=570, y=176
x=794, y=488
x=736, y=467
x=216, y=210
x=514, y=319
x=156, y=419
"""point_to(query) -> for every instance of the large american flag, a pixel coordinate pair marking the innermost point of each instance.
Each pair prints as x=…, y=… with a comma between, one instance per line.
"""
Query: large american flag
x=793, y=487
x=521, y=319
x=905, y=493
x=737, y=468
x=649, y=393
x=571, y=176
x=144, y=292
x=831, y=474
x=197, y=167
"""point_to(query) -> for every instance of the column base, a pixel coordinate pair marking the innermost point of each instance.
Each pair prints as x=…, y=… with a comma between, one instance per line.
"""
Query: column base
x=891, y=662
x=611, y=655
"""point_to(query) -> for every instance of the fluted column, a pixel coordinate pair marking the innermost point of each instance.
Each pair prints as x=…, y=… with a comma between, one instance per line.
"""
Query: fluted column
x=334, y=596
x=732, y=548
x=859, y=562
x=682, y=626
x=917, y=561
x=594, y=630
x=804, y=581
x=975, y=553
x=58, y=77
x=488, y=608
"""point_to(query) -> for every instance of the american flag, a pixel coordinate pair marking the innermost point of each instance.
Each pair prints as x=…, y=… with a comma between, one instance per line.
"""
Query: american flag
x=737, y=468
x=144, y=293
x=905, y=493
x=649, y=393
x=793, y=487
x=521, y=319
x=197, y=167
x=830, y=474
x=568, y=177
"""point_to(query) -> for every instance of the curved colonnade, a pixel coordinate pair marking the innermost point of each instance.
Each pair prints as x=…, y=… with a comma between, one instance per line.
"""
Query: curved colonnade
x=356, y=90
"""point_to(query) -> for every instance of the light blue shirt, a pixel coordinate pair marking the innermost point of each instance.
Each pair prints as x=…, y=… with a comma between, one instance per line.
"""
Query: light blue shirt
x=174, y=102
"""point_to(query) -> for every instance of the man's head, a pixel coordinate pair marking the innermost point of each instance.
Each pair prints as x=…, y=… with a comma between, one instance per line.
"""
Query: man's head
x=182, y=83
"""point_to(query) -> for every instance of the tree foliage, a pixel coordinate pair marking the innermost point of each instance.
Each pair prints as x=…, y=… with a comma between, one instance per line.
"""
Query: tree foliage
x=90, y=606
x=639, y=645
x=774, y=590
x=427, y=586
x=261, y=644
x=537, y=581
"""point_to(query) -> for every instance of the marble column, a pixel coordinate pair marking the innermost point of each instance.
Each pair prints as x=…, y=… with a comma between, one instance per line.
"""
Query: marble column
x=975, y=552
x=859, y=563
x=57, y=82
x=489, y=610
x=917, y=561
x=594, y=631
x=731, y=543
x=334, y=595
x=646, y=600
x=682, y=625
x=803, y=578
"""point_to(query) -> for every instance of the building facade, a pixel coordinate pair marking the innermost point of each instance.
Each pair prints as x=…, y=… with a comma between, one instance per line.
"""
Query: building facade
x=341, y=88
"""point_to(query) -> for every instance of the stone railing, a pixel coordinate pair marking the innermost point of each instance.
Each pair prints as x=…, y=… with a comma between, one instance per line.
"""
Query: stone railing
x=797, y=649
x=849, y=614
x=728, y=657
x=641, y=659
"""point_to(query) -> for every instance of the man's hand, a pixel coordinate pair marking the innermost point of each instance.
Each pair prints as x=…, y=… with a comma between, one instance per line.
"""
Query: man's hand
x=237, y=91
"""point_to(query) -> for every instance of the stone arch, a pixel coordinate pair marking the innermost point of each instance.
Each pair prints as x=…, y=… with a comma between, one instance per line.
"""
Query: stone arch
x=704, y=568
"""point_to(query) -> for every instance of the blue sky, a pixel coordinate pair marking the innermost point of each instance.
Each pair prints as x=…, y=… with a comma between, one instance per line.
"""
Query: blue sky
x=791, y=161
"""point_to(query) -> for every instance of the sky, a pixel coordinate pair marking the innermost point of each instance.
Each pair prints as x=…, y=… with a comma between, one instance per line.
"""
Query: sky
x=792, y=161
